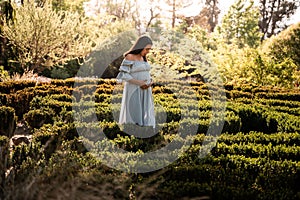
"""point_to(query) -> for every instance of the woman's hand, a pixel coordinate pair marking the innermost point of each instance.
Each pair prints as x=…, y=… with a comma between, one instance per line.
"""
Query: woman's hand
x=146, y=86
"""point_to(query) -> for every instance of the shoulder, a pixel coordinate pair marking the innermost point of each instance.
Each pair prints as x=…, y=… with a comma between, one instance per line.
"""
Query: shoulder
x=127, y=63
x=130, y=57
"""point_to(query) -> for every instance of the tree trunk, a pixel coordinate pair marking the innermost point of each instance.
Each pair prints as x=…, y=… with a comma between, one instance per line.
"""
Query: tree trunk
x=174, y=13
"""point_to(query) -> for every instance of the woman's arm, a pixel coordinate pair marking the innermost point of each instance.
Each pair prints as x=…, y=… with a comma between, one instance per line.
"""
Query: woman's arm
x=140, y=83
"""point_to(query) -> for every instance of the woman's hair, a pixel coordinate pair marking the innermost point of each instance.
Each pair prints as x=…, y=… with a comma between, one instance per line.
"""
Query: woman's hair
x=138, y=46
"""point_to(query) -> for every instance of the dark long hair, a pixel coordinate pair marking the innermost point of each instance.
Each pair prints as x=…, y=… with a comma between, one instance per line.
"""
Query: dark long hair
x=139, y=45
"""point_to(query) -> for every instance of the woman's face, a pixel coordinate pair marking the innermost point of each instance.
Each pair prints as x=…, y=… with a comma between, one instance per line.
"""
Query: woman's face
x=146, y=50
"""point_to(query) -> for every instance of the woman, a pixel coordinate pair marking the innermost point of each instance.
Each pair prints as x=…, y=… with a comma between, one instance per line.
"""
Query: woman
x=137, y=105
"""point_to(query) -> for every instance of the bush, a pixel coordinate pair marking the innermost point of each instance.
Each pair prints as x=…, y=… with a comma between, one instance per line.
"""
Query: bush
x=4, y=75
x=9, y=87
x=52, y=136
x=59, y=73
x=8, y=121
x=64, y=174
x=231, y=177
x=4, y=159
x=285, y=45
x=38, y=117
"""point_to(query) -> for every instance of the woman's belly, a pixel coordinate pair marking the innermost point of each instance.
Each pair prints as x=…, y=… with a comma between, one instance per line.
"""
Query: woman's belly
x=145, y=75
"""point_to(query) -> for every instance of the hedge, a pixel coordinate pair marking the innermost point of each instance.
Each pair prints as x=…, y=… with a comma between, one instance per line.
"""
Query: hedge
x=256, y=156
x=8, y=121
x=4, y=162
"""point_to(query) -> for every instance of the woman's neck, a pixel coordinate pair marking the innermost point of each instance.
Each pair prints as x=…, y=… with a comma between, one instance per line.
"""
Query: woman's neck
x=137, y=57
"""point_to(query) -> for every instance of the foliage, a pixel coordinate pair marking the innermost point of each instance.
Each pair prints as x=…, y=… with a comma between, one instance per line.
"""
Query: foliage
x=249, y=65
x=27, y=75
x=105, y=60
x=240, y=24
x=255, y=157
x=71, y=5
x=4, y=157
x=235, y=48
x=200, y=35
x=284, y=46
x=182, y=57
x=273, y=14
x=175, y=6
x=127, y=11
x=8, y=121
x=3, y=74
x=44, y=37
x=59, y=73
x=211, y=11
x=66, y=174
x=7, y=10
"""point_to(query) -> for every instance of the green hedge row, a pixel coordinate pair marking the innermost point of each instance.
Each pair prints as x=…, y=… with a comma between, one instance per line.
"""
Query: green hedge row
x=9, y=87
x=273, y=152
x=239, y=116
x=4, y=162
x=20, y=100
x=107, y=86
x=233, y=177
x=261, y=138
x=8, y=121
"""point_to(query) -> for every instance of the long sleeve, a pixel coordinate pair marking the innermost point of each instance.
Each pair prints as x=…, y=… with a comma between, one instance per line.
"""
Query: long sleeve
x=124, y=71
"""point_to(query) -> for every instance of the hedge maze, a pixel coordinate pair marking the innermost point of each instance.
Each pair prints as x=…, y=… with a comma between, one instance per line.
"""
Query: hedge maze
x=257, y=155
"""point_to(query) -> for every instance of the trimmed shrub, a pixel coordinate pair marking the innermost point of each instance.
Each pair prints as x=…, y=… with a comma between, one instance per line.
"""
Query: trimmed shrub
x=3, y=99
x=52, y=136
x=4, y=159
x=8, y=87
x=8, y=121
x=38, y=117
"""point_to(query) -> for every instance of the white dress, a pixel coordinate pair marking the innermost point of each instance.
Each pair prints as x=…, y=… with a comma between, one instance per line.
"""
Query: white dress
x=137, y=105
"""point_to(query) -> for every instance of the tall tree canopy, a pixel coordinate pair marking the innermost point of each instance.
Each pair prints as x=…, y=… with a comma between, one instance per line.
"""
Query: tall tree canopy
x=285, y=45
x=240, y=24
x=212, y=11
x=6, y=15
x=72, y=5
x=207, y=17
x=274, y=14
x=175, y=6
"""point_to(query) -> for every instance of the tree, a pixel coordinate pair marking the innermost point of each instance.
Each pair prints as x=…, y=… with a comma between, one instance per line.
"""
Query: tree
x=201, y=35
x=71, y=5
x=274, y=14
x=6, y=15
x=201, y=20
x=120, y=9
x=285, y=45
x=6, y=10
x=240, y=24
x=211, y=11
x=250, y=65
x=207, y=18
x=176, y=5
x=155, y=10
x=127, y=10
x=45, y=38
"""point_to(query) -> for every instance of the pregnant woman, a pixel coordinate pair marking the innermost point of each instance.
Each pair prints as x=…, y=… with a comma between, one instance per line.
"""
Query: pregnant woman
x=137, y=105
